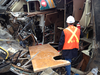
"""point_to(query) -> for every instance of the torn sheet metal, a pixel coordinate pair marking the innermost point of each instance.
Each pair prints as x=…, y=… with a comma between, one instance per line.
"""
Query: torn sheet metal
x=5, y=68
x=16, y=14
x=12, y=46
x=2, y=9
x=17, y=6
x=85, y=19
x=4, y=34
x=87, y=52
x=5, y=5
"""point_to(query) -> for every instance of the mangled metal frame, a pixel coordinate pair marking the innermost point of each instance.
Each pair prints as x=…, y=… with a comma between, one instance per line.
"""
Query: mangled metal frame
x=13, y=5
x=31, y=14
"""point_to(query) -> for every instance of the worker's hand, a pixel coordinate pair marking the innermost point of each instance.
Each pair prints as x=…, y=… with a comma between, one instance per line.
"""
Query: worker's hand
x=59, y=51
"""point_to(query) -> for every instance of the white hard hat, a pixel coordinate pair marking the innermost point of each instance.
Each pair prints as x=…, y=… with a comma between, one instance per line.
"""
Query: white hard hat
x=70, y=19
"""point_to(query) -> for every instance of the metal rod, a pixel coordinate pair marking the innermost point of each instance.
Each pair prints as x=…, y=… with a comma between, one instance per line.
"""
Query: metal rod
x=28, y=66
x=22, y=58
x=23, y=54
x=6, y=40
x=25, y=26
x=65, y=13
x=29, y=60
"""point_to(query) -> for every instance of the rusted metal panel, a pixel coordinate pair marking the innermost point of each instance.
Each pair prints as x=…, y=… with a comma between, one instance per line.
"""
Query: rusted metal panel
x=85, y=62
x=78, y=6
x=50, y=18
x=59, y=23
x=86, y=17
x=40, y=12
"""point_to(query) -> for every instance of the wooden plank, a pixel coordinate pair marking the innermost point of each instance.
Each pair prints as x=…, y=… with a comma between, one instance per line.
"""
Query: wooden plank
x=44, y=58
x=85, y=62
x=40, y=12
x=80, y=64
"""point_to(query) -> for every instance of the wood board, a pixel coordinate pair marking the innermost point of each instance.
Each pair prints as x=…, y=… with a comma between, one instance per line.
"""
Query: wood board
x=44, y=58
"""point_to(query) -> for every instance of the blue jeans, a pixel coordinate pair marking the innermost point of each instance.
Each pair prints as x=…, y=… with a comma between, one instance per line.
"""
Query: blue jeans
x=68, y=68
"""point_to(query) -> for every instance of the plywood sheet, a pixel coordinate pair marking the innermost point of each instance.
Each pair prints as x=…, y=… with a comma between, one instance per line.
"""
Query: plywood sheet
x=44, y=58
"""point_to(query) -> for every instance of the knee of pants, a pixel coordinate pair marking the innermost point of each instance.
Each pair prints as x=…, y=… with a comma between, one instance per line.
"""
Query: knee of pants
x=69, y=60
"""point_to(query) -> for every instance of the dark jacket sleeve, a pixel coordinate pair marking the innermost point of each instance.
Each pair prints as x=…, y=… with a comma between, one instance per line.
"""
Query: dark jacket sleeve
x=81, y=34
x=61, y=41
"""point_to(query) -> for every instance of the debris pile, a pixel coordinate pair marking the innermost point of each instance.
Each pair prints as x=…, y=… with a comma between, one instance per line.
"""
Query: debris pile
x=27, y=24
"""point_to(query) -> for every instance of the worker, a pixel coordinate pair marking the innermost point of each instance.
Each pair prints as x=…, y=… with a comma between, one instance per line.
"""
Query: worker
x=69, y=42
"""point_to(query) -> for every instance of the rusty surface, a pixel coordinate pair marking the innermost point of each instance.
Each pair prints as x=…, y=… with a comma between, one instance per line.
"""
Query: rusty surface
x=78, y=6
x=40, y=12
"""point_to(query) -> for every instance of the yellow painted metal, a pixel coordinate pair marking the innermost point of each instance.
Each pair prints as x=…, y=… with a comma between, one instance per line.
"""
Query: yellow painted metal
x=5, y=51
x=52, y=3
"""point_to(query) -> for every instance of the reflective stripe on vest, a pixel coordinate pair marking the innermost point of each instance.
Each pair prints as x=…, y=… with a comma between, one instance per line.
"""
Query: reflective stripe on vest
x=73, y=34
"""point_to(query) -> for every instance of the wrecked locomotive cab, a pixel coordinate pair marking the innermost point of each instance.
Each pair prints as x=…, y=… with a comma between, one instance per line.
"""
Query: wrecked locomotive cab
x=33, y=27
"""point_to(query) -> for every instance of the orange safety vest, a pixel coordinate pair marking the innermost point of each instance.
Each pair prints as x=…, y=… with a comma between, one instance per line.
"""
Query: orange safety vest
x=72, y=36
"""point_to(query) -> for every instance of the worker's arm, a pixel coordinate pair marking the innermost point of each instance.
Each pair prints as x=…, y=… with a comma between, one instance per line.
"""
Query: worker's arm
x=61, y=41
x=81, y=34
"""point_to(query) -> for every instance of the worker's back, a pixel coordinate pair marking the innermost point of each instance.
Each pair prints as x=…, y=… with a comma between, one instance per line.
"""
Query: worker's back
x=72, y=36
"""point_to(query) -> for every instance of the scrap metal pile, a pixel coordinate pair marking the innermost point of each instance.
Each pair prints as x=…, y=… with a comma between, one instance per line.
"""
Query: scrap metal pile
x=15, y=39
x=18, y=36
x=16, y=57
x=19, y=31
